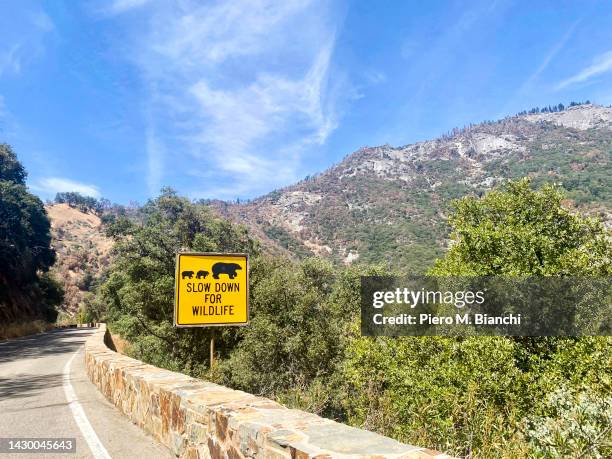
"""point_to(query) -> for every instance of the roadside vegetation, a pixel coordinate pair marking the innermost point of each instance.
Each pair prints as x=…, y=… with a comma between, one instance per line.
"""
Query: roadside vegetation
x=497, y=396
x=18, y=329
x=28, y=293
x=475, y=396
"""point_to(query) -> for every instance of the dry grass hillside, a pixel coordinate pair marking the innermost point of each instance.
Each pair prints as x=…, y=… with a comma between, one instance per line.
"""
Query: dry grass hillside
x=82, y=251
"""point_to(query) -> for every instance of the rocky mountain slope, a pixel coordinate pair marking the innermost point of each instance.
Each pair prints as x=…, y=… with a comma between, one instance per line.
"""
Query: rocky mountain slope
x=388, y=204
x=82, y=251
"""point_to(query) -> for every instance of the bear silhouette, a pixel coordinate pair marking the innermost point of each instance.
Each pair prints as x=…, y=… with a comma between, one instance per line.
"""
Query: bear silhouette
x=225, y=268
x=188, y=274
x=202, y=274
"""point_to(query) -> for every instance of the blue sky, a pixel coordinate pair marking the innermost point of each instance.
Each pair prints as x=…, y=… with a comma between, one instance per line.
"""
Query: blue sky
x=236, y=98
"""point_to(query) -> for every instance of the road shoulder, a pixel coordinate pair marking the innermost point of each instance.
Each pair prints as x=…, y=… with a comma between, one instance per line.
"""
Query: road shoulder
x=121, y=438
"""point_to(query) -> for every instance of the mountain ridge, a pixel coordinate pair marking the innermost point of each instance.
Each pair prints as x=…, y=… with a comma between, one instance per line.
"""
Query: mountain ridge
x=383, y=202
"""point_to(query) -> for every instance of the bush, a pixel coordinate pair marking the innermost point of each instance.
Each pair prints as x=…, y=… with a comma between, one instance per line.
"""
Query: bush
x=470, y=396
x=296, y=336
x=577, y=424
x=449, y=394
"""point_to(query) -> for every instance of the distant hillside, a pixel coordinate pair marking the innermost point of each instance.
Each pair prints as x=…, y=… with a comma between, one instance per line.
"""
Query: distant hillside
x=388, y=204
x=82, y=251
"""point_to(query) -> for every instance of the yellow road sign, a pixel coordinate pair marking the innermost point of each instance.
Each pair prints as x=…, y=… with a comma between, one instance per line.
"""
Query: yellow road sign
x=211, y=289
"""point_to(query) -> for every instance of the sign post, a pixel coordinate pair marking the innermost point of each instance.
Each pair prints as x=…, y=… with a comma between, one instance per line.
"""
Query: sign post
x=211, y=290
x=212, y=351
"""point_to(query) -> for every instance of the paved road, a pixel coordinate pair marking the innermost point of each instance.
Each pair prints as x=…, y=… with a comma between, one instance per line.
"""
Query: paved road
x=35, y=387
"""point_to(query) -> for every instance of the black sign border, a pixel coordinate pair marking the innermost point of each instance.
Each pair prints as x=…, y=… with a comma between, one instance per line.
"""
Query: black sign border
x=176, y=289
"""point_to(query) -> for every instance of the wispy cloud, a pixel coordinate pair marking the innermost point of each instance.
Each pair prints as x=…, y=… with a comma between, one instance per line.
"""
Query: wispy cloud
x=52, y=185
x=528, y=84
x=241, y=86
x=42, y=21
x=375, y=76
x=18, y=52
x=10, y=61
x=8, y=123
x=435, y=63
x=601, y=64
x=552, y=53
x=121, y=6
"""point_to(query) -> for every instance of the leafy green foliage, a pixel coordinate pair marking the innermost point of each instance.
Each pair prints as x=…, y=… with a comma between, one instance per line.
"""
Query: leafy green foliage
x=296, y=339
x=24, y=234
x=584, y=172
x=471, y=396
x=11, y=170
x=139, y=290
x=518, y=231
x=451, y=395
x=578, y=423
x=286, y=240
x=83, y=203
x=25, y=248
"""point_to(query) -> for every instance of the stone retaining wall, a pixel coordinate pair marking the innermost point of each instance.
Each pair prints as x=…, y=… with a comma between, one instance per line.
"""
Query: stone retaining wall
x=199, y=419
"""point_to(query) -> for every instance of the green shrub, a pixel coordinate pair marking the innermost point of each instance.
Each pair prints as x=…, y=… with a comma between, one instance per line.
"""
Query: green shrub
x=471, y=396
x=576, y=424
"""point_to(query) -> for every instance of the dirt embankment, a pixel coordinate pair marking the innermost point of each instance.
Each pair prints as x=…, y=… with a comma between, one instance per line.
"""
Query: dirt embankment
x=82, y=252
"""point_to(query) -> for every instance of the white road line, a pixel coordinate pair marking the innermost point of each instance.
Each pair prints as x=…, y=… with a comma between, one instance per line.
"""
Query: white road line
x=94, y=443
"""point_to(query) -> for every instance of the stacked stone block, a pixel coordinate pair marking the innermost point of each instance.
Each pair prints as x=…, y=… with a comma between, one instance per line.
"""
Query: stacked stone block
x=199, y=419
